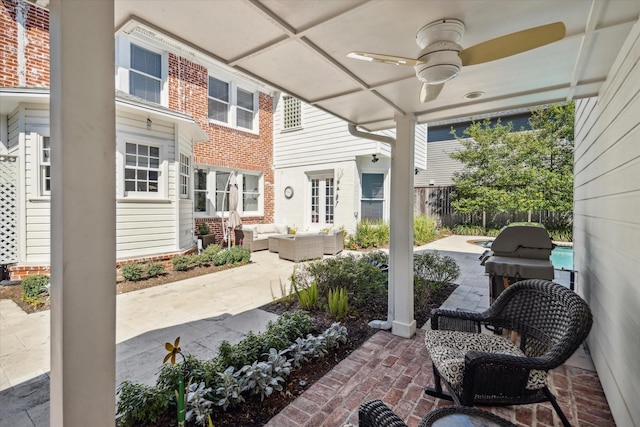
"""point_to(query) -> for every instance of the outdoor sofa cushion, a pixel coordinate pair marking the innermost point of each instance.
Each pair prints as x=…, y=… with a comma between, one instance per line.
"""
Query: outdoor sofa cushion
x=448, y=349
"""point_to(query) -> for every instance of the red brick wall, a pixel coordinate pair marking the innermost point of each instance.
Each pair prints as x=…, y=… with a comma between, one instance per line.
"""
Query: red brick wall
x=36, y=45
x=226, y=147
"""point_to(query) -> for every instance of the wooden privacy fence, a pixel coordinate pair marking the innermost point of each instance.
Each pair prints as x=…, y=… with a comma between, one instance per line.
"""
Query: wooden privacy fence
x=435, y=202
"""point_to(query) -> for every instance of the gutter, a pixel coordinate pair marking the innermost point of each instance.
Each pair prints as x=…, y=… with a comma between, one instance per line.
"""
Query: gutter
x=379, y=324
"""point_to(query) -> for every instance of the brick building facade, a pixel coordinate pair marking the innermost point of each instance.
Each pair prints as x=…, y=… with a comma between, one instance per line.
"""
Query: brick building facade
x=228, y=148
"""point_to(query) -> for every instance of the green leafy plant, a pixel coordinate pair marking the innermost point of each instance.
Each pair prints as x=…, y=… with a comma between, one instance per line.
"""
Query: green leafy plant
x=181, y=263
x=369, y=234
x=140, y=405
x=307, y=297
x=198, y=404
x=424, y=230
x=211, y=250
x=35, y=285
x=432, y=272
x=338, y=303
x=154, y=269
x=468, y=230
x=203, y=229
x=132, y=271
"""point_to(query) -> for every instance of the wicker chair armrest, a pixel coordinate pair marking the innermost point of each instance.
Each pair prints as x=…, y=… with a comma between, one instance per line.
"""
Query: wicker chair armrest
x=376, y=414
x=477, y=358
x=248, y=234
x=453, y=320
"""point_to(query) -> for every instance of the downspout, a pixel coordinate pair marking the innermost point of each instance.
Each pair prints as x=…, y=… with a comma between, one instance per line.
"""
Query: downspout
x=379, y=324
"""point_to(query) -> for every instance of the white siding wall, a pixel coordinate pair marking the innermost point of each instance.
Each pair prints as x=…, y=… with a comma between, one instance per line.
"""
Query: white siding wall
x=440, y=167
x=296, y=210
x=146, y=227
x=324, y=143
x=323, y=135
x=185, y=206
x=607, y=228
x=37, y=229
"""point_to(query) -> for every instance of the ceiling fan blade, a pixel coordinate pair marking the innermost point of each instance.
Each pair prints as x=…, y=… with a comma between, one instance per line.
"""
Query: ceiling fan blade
x=430, y=92
x=385, y=59
x=512, y=44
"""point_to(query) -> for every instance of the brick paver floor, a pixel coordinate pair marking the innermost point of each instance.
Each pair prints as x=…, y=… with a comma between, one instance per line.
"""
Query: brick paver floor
x=395, y=370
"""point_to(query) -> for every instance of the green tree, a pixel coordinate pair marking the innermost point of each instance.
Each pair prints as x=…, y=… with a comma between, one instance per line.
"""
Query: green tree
x=508, y=170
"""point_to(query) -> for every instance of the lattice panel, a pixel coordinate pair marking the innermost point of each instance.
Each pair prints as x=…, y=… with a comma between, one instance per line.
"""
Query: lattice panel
x=9, y=209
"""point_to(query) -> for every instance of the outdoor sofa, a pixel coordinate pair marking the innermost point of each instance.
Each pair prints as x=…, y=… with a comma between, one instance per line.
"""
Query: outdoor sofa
x=255, y=237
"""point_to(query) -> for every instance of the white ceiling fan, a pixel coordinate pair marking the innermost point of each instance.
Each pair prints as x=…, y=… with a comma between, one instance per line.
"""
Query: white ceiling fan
x=441, y=58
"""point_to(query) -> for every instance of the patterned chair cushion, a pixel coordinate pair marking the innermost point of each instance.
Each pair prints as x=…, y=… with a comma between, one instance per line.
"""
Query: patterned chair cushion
x=448, y=348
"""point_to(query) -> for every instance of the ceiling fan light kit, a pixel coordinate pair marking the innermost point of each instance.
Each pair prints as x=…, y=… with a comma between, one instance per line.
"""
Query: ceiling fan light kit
x=441, y=57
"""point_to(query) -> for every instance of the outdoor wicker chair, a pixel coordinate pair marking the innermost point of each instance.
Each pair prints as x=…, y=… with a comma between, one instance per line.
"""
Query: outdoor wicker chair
x=478, y=368
x=376, y=414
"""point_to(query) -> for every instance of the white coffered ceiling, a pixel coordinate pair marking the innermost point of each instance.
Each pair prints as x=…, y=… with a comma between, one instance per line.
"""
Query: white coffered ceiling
x=300, y=47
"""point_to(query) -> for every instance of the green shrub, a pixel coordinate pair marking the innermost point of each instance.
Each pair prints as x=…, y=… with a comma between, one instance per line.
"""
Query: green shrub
x=181, y=263
x=198, y=260
x=223, y=257
x=35, y=285
x=493, y=232
x=154, y=269
x=210, y=251
x=132, y=271
x=468, y=230
x=203, y=229
x=140, y=405
x=424, y=230
x=561, y=234
x=238, y=254
x=364, y=282
x=432, y=272
x=338, y=303
x=369, y=234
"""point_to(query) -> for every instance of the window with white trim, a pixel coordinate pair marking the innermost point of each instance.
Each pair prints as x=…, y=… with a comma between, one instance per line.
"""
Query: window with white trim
x=145, y=74
x=372, y=201
x=292, y=117
x=232, y=105
x=200, y=190
x=185, y=175
x=211, y=191
x=142, y=168
x=45, y=166
x=322, y=200
x=250, y=192
x=218, y=100
x=222, y=192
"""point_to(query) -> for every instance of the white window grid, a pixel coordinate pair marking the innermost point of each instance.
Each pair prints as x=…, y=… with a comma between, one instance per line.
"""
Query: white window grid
x=185, y=175
x=45, y=166
x=200, y=190
x=292, y=113
x=250, y=192
x=329, y=201
x=235, y=107
x=142, y=168
x=157, y=78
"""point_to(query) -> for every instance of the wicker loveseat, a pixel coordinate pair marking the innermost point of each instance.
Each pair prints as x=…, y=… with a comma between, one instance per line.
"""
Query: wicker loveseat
x=255, y=237
x=551, y=322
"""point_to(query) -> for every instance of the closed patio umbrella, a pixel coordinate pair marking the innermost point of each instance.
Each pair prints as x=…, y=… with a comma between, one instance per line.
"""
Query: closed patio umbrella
x=234, y=217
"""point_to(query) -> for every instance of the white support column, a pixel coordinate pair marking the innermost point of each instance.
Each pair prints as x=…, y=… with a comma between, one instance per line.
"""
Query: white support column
x=401, y=228
x=82, y=213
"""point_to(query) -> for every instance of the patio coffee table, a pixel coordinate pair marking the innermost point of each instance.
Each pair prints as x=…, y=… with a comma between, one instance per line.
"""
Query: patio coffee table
x=274, y=241
x=463, y=416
